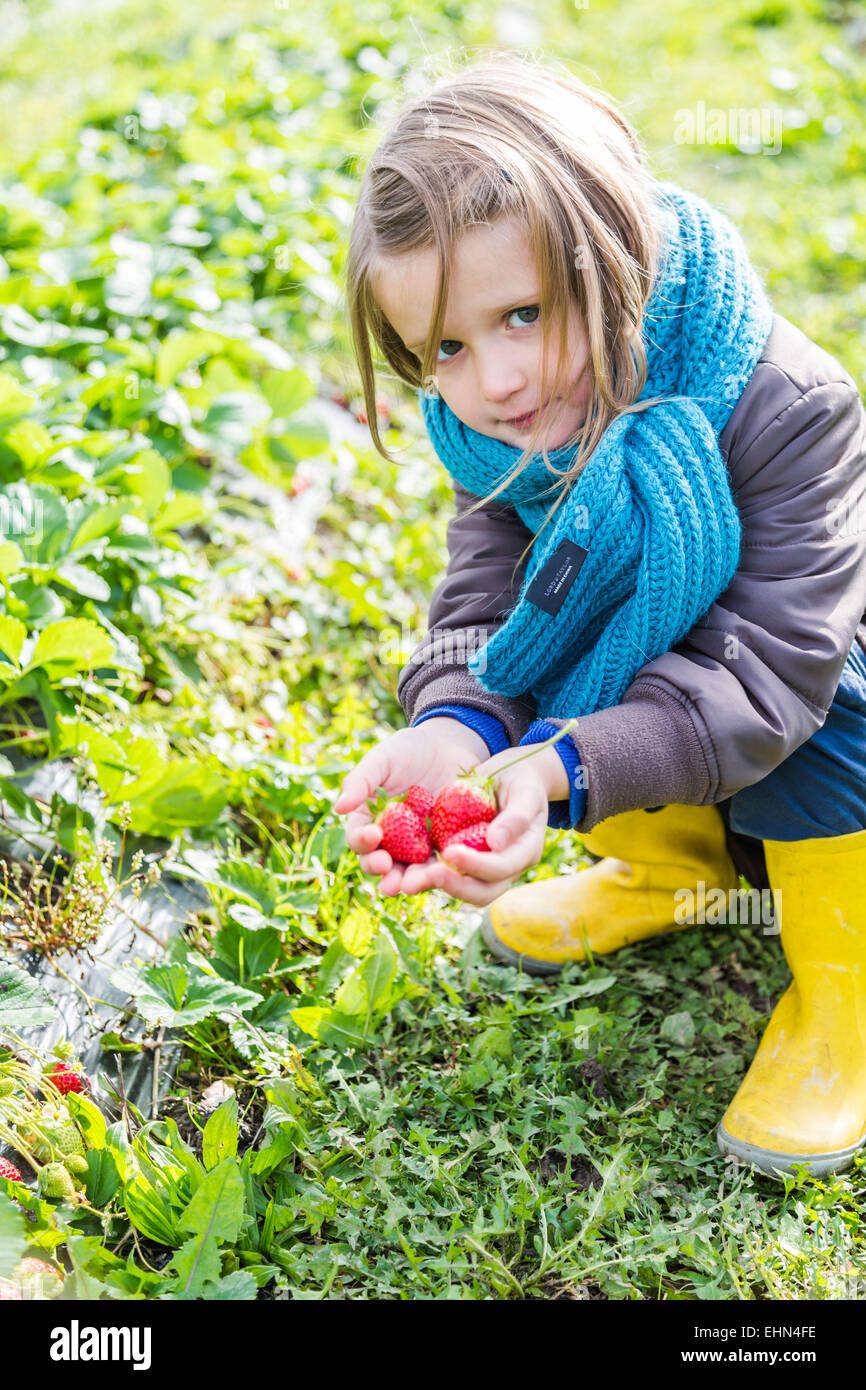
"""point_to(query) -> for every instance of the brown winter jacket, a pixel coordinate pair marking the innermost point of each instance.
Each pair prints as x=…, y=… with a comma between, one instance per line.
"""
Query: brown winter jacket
x=755, y=677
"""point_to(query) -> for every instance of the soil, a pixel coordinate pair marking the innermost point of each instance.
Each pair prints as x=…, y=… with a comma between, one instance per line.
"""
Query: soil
x=593, y=1073
x=731, y=973
x=582, y=1172
x=177, y=1108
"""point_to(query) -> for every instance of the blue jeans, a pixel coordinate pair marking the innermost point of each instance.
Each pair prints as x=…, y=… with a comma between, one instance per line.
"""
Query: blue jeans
x=820, y=790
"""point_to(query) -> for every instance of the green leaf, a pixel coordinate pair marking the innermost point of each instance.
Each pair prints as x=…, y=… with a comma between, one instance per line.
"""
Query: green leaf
x=331, y=1026
x=89, y=1119
x=180, y=510
x=239, y=1286
x=217, y=1208
x=378, y=970
x=147, y=476
x=23, y=1001
x=679, y=1029
x=12, y=634
x=247, y=954
x=11, y=558
x=249, y=917
x=113, y=1042
x=220, y=1137
x=118, y=1145
x=84, y=582
x=186, y=794
x=196, y=1263
x=343, y=1032
x=14, y=400
x=98, y=522
x=103, y=1179
x=71, y=645
x=182, y=348
x=252, y=882
x=165, y=993
x=21, y=803
x=357, y=930
x=310, y=1018
x=13, y=1243
x=286, y=392
x=149, y=1211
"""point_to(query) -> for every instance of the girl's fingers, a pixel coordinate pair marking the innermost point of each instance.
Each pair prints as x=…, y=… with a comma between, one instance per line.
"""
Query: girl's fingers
x=370, y=773
x=352, y=793
x=392, y=883
x=507, y=827
x=419, y=877
x=488, y=866
x=379, y=862
x=471, y=890
x=362, y=833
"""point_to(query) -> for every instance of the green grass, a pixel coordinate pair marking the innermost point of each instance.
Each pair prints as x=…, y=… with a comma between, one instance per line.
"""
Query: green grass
x=490, y=1136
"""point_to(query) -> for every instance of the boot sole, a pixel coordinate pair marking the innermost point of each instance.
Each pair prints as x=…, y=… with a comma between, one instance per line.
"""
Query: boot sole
x=777, y=1164
x=528, y=964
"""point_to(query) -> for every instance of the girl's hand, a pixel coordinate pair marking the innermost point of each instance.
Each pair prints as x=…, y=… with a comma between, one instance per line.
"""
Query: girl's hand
x=431, y=754
x=515, y=835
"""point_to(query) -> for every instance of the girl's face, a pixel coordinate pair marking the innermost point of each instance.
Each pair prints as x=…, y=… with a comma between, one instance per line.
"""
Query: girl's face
x=489, y=365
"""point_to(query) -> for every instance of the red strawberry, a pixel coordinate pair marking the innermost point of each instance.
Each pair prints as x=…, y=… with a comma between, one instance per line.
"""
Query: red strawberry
x=420, y=799
x=473, y=836
x=383, y=410
x=8, y=1170
x=31, y=1278
x=459, y=805
x=66, y=1079
x=30, y=1265
x=404, y=834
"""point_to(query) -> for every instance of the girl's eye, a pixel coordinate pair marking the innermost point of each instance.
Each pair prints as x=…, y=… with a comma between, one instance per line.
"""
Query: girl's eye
x=528, y=309
x=525, y=323
x=449, y=342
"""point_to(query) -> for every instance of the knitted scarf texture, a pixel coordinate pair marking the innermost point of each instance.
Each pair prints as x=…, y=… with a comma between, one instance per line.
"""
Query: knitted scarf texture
x=648, y=535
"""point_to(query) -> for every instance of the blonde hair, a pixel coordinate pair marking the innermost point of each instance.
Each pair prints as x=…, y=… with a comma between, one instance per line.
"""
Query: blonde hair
x=510, y=137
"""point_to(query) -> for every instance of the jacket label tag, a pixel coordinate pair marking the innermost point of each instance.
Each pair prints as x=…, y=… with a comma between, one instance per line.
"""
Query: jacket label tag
x=553, y=581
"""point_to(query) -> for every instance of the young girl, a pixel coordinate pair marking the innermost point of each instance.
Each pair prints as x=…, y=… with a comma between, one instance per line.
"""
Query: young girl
x=601, y=373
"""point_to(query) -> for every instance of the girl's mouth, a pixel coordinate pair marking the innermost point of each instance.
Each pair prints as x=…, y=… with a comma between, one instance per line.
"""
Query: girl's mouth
x=525, y=422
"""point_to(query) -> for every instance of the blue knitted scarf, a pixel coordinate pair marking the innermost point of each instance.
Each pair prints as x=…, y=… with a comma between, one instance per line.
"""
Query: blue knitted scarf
x=649, y=534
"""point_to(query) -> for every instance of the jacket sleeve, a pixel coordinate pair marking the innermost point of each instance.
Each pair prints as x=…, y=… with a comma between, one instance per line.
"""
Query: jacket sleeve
x=468, y=606
x=755, y=677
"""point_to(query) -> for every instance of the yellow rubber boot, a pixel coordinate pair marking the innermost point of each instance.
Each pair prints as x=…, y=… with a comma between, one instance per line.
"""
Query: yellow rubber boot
x=803, y=1099
x=648, y=857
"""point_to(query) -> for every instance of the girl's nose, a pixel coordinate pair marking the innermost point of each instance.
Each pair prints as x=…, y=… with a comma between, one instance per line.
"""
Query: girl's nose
x=499, y=382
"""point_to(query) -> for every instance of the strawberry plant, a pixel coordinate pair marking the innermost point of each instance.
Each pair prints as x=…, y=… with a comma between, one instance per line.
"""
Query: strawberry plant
x=207, y=578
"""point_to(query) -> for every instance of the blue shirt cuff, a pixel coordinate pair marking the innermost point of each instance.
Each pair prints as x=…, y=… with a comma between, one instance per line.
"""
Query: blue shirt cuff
x=562, y=815
x=491, y=729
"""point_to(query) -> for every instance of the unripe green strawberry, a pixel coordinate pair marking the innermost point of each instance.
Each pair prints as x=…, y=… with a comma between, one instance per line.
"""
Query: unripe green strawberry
x=59, y=1134
x=404, y=834
x=473, y=836
x=76, y=1163
x=7, y=1086
x=55, y=1180
x=463, y=803
x=67, y=1137
x=8, y=1170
